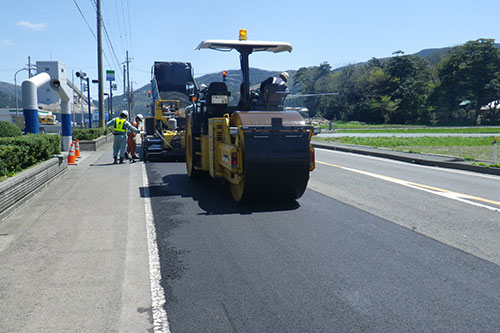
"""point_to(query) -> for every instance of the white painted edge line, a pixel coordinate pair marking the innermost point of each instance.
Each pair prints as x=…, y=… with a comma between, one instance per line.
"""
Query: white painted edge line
x=463, y=172
x=160, y=320
x=444, y=193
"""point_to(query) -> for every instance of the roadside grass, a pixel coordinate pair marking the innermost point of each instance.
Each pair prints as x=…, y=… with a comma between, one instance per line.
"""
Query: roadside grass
x=451, y=130
x=362, y=126
x=468, y=148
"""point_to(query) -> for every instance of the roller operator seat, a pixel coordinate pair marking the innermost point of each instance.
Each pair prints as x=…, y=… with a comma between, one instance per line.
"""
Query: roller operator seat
x=216, y=88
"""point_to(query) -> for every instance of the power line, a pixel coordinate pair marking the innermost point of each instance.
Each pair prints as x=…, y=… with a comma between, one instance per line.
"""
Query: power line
x=124, y=24
x=129, y=28
x=117, y=62
x=112, y=64
x=119, y=26
x=140, y=70
x=83, y=16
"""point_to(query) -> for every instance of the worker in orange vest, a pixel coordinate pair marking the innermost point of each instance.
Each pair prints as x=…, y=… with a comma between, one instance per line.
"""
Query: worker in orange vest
x=131, y=138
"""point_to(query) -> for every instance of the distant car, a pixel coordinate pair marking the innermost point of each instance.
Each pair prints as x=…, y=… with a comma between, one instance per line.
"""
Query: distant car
x=48, y=120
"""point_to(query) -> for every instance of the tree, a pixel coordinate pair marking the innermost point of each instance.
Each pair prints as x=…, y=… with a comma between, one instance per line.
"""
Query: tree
x=469, y=72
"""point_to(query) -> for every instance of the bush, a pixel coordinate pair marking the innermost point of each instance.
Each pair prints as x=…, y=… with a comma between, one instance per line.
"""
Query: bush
x=21, y=152
x=8, y=129
x=87, y=133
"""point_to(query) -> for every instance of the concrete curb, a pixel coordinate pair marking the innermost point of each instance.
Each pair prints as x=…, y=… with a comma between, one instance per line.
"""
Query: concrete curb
x=15, y=191
x=94, y=145
x=421, y=159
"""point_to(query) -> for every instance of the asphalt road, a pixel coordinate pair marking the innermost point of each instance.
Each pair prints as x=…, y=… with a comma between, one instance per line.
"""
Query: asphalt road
x=373, y=245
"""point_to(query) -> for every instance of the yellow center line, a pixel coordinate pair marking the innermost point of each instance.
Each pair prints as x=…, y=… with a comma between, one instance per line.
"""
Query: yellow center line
x=447, y=193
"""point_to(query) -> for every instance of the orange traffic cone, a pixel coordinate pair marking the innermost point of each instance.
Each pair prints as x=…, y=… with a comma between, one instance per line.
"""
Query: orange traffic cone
x=71, y=155
x=77, y=149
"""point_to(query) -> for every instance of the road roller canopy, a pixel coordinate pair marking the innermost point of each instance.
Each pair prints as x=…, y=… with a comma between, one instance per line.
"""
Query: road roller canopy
x=254, y=45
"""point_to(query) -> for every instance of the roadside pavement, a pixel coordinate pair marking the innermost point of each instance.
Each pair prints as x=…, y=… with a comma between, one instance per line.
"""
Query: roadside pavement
x=422, y=159
x=75, y=256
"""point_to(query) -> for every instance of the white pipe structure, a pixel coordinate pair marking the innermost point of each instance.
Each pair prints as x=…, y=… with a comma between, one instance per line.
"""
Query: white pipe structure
x=30, y=101
x=66, y=137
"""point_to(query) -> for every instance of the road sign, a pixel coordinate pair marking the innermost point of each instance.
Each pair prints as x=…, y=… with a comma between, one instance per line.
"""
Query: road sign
x=110, y=75
x=115, y=87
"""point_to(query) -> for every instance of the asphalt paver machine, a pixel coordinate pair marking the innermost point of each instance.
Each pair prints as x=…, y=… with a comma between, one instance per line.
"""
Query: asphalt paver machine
x=165, y=129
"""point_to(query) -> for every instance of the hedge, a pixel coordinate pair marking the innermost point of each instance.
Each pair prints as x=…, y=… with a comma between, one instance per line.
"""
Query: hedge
x=8, y=129
x=21, y=152
x=87, y=133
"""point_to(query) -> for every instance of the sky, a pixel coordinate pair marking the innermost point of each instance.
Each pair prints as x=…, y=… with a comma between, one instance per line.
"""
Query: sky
x=337, y=32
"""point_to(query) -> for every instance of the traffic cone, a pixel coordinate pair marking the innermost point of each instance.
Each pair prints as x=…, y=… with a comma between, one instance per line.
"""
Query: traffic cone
x=77, y=149
x=71, y=155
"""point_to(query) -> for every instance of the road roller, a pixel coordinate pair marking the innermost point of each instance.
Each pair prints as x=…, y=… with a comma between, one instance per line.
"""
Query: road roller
x=262, y=151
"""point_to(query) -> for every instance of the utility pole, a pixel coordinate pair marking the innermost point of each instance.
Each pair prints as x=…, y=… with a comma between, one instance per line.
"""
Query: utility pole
x=125, y=86
x=131, y=98
x=29, y=67
x=128, y=87
x=99, y=65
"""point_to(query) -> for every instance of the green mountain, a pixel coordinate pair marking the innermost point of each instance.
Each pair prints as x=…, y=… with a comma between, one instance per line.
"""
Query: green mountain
x=7, y=95
x=233, y=81
x=142, y=100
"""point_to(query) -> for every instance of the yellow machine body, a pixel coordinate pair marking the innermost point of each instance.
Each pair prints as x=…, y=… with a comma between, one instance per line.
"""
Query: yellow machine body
x=223, y=150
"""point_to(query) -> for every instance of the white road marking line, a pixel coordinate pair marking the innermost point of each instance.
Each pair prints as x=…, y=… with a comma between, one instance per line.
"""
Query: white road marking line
x=160, y=320
x=463, y=172
x=430, y=189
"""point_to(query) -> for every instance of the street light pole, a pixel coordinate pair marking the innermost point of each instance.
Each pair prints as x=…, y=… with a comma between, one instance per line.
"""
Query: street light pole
x=89, y=102
x=15, y=92
x=83, y=76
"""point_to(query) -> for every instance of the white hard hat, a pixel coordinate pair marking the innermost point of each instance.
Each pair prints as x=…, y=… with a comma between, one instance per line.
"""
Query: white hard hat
x=124, y=113
x=285, y=76
x=140, y=116
x=203, y=86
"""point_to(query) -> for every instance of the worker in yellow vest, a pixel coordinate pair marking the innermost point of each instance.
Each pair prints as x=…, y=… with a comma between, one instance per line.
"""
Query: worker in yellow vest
x=119, y=127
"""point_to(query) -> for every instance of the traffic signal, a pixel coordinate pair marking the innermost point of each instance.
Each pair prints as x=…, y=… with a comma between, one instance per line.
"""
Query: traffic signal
x=224, y=74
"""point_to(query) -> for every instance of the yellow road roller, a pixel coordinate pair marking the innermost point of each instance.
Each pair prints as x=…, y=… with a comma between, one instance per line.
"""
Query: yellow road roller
x=262, y=151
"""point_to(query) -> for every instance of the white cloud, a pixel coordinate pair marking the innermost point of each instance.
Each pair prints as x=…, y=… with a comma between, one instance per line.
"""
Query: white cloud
x=32, y=26
x=5, y=42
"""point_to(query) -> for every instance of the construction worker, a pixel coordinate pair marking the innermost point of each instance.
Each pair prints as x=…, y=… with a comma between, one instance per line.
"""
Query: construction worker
x=131, y=137
x=273, y=90
x=119, y=127
x=203, y=91
x=279, y=81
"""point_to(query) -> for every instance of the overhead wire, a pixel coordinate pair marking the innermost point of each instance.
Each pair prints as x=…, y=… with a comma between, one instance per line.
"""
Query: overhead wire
x=124, y=24
x=83, y=16
x=130, y=29
x=119, y=27
x=112, y=64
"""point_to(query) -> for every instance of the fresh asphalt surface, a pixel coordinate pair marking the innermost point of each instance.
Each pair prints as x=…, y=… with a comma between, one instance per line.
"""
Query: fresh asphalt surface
x=373, y=245
x=355, y=253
